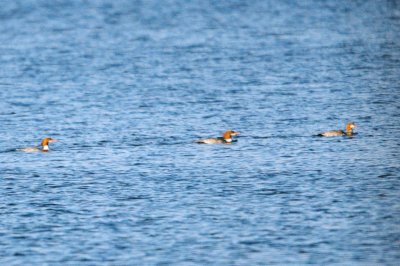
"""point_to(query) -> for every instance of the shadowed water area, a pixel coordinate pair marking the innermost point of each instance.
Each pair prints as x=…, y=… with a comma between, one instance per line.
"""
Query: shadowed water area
x=126, y=86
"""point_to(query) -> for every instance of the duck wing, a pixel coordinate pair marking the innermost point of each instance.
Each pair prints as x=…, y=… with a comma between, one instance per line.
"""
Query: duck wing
x=332, y=133
x=31, y=149
x=210, y=141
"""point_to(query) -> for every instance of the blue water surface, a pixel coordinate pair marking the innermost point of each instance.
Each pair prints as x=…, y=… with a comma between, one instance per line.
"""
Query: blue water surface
x=126, y=86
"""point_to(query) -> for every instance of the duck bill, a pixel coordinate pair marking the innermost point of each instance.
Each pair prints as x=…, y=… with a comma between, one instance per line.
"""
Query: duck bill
x=54, y=140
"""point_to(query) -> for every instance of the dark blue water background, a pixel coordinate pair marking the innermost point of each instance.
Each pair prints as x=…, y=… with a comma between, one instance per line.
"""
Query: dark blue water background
x=128, y=85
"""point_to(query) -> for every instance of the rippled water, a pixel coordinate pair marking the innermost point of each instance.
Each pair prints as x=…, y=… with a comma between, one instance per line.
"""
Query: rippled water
x=128, y=85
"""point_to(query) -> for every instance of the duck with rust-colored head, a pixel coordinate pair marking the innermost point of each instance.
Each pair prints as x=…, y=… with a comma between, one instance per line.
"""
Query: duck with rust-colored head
x=44, y=146
x=225, y=139
x=338, y=133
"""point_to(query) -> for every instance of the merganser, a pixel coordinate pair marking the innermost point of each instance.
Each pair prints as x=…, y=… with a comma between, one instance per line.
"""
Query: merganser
x=336, y=133
x=44, y=146
x=225, y=139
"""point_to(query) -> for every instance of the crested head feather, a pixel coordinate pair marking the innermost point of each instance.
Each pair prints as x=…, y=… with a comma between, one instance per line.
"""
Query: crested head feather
x=350, y=126
x=45, y=142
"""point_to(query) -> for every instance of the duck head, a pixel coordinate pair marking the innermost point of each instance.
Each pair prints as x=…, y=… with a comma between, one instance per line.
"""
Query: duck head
x=45, y=143
x=227, y=136
x=349, y=127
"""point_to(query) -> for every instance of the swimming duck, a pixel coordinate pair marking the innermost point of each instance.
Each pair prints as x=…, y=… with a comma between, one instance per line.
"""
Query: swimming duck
x=225, y=139
x=44, y=146
x=337, y=133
